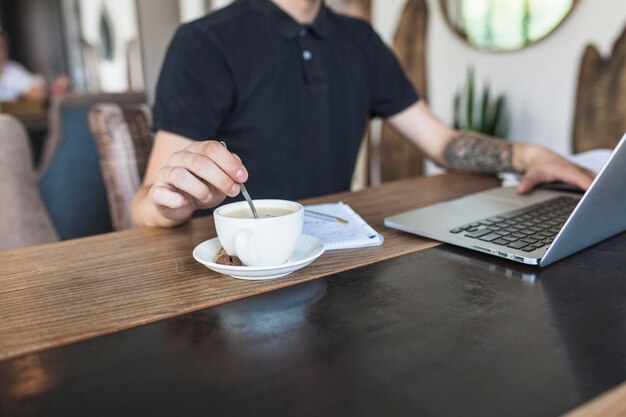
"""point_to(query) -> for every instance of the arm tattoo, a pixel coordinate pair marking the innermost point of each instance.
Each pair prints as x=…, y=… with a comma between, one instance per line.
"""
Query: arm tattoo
x=470, y=151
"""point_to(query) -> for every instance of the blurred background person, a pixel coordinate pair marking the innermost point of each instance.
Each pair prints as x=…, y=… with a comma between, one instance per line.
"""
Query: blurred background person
x=16, y=82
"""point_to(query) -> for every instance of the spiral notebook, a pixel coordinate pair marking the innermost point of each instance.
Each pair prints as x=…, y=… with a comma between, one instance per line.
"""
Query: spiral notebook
x=339, y=227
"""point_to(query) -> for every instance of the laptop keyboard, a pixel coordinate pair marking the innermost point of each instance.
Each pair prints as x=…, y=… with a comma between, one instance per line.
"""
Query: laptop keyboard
x=528, y=229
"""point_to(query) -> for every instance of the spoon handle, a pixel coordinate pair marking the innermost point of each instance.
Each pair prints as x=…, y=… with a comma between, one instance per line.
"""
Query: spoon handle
x=249, y=200
x=245, y=192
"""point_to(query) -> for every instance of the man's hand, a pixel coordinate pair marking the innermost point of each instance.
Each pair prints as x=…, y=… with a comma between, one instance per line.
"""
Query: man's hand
x=37, y=90
x=199, y=176
x=543, y=166
x=184, y=176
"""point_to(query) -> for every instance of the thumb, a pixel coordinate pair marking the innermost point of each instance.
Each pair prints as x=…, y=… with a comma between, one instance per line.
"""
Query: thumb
x=527, y=184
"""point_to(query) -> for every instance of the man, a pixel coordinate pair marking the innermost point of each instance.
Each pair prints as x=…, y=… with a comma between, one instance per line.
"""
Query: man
x=17, y=82
x=289, y=85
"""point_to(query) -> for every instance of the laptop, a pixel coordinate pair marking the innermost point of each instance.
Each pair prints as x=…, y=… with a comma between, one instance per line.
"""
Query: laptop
x=538, y=229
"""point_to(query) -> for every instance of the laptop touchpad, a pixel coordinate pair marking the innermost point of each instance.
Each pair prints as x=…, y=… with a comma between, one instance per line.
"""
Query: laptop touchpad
x=481, y=207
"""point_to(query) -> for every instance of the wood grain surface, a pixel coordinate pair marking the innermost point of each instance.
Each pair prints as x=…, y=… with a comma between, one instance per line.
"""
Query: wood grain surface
x=600, y=118
x=609, y=404
x=64, y=292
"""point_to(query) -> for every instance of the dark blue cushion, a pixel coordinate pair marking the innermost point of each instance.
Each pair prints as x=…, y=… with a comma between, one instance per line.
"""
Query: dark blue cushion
x=72, y=188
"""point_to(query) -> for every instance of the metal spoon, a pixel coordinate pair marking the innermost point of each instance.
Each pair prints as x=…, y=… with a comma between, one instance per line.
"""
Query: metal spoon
x=245, y=193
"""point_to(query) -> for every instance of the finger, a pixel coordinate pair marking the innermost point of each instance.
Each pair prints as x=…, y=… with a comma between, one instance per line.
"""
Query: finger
x=164, y=197
x=207, y=170
x=590, y=173
x=218, y=197
x=525, y=186
x=185, y=181
x=224, y=159
x=533, y=178
x=579, y=177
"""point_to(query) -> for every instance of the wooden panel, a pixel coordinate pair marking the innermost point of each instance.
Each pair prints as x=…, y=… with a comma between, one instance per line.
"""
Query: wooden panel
x=60, y=293
x=600, y=117
x=610, y=404
x=399, y=157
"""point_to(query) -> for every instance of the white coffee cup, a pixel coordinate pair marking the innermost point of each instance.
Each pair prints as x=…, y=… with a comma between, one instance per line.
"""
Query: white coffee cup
x=264, y=241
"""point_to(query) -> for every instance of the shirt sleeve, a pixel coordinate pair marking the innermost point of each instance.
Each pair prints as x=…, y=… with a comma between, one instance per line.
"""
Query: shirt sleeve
x=391, y=91
x=21, y=78
x=195, y=89
x=15, y=80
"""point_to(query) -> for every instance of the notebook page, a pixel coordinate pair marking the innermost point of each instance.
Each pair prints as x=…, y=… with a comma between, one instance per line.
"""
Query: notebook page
x=355, y=233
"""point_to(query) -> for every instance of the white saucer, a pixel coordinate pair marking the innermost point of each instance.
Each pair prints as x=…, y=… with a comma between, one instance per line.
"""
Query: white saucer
x=307, y=250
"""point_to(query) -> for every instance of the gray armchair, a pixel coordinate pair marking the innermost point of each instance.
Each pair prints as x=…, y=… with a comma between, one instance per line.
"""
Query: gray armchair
x=23, y=218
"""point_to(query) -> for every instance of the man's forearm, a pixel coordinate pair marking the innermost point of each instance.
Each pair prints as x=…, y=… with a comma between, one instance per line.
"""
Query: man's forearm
x=470, y=151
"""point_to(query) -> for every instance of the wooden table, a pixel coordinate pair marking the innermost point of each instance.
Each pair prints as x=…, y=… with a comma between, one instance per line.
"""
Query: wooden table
x=392, y=330
x=32, y=114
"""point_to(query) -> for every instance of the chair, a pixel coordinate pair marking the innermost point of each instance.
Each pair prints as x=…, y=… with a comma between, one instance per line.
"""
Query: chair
x=71, y=182
x=399, y=158
x=124, y=142
x=24, y=220
x=391, y=156
x=600, y=115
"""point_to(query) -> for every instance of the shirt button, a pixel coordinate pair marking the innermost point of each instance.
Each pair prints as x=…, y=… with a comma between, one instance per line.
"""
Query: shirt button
x=307, y=55
x=302, y=33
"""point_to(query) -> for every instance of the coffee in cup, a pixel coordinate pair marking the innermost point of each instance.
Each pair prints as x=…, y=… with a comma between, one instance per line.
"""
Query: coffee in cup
x=264, y=213
x=268, y=240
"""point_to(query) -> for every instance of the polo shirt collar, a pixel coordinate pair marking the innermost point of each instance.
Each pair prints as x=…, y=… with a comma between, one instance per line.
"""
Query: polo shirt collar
x=287, y=26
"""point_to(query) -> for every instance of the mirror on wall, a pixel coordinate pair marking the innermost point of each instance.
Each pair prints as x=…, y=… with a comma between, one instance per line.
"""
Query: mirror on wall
x=505, y=25
x=103, y=43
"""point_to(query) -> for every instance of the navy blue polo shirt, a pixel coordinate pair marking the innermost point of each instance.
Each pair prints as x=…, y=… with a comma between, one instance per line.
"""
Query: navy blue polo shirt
x=291, y=100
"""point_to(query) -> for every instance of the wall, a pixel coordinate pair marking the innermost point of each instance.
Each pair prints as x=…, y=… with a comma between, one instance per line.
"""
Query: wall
x=191, y=9
x=158, y=19
x=113, y=73
x=540, y=81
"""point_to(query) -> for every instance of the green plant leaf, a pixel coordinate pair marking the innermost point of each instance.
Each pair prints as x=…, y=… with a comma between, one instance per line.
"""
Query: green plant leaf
x=457, y=110
x=485, y=110
x=470, y=99
x=498, y=126
x=477, y=110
